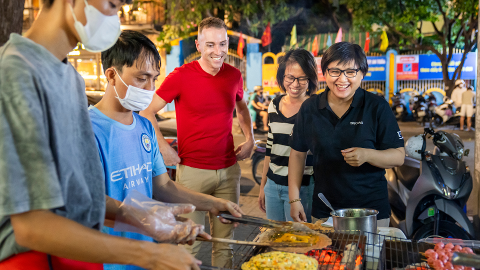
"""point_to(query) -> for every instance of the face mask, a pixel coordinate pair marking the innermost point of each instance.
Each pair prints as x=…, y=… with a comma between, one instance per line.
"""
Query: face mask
x=101, y=31
x=136, y=99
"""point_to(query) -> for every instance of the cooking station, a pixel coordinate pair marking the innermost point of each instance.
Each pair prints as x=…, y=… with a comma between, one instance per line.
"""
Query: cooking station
x=352, y=250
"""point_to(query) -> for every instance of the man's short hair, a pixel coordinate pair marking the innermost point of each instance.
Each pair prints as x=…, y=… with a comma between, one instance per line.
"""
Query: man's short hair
x=49, y=3
x=306, y=61
x=344, y=53
x=211, y=22
x=131, y=46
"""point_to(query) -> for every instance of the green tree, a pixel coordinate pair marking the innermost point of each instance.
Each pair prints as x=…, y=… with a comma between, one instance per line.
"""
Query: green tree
x=454, y=22
x=184, y=16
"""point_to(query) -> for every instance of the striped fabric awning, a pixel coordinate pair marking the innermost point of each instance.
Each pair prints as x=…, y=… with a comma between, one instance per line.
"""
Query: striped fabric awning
x=306, y=41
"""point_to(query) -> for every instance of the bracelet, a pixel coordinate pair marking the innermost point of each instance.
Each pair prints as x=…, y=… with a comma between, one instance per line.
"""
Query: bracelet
x=296, y=200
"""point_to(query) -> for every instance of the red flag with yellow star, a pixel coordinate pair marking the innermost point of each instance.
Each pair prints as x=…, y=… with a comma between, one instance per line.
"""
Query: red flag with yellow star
x=241, y=45
x=267, y=36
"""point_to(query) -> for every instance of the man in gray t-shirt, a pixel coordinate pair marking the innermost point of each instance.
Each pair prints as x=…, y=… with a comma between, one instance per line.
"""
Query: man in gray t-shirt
x=52, y=195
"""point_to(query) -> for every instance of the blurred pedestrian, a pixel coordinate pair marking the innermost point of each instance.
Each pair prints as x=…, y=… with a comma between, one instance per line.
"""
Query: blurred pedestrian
x=468, y=99
x=297, y=77
x=457, y=93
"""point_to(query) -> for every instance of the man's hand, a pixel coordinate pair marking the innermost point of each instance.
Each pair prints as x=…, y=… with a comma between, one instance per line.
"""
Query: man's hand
x=355, y=156
x=170, y=156
x=171, y=257
x=244, y=150
x=160, y=221
x=222, y=205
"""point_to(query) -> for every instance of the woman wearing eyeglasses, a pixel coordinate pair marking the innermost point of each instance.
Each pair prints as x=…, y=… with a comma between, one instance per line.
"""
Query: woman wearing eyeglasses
x=297, y=77
x=353, y=136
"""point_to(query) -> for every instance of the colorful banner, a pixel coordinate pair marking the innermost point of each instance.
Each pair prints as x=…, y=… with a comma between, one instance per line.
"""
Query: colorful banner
x=431, y=67
x=407, y=67
x=377, y=68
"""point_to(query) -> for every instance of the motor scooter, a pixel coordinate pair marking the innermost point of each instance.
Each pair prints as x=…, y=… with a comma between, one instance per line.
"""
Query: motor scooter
x=455, y=119
x=419, y=108
x=442, y=113
x=399, y=107
x=258, y=157
x=428, y=193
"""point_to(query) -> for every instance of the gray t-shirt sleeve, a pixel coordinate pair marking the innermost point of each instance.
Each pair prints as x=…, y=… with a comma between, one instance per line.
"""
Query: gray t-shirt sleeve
x=28, y=176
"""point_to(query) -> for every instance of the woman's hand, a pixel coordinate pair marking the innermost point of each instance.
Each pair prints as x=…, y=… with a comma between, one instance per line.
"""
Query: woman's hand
x=356, y=156
x=297, y=212
x=261, y=199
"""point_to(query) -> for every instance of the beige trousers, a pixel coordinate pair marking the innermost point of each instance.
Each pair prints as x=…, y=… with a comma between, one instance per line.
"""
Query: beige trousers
x=223, y=183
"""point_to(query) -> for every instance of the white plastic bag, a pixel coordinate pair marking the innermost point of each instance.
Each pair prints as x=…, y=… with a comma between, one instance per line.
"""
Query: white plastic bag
x=140, y=214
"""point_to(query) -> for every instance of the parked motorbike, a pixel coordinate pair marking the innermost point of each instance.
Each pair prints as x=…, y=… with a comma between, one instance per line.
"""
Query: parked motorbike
x=442, y=113
x=399, y=107
x=419, y=108
x=428, y=192
x=455, y=119
x=258, y=158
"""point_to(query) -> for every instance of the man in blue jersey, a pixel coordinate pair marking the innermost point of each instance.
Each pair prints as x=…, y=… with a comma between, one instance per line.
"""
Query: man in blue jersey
x=126, y=141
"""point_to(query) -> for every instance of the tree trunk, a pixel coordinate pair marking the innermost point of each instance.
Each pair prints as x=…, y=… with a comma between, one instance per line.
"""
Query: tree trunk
x=11, y=18
x=449, y=83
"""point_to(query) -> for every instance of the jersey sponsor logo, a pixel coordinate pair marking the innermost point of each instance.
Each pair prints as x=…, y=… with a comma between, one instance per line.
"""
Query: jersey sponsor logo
x=356, y=123
x=400, y=135
x=136, y=182
x=146, y=142
x=130, y=172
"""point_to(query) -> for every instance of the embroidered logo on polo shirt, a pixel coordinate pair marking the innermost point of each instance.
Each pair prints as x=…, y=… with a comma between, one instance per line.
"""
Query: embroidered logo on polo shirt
x=400, y=135
x=146, y=142
x=356, y=123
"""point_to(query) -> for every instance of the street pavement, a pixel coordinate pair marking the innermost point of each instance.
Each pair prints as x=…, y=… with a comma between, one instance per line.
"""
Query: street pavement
x=249, y=189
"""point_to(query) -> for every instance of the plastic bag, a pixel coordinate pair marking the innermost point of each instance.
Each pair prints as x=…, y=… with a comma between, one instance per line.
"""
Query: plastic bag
x=140, y=214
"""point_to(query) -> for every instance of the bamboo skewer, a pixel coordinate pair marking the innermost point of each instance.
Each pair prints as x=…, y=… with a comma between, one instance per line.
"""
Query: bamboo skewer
x=248, y=243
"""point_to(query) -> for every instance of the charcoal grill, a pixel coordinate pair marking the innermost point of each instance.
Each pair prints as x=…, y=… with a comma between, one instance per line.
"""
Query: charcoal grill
x=377, y=252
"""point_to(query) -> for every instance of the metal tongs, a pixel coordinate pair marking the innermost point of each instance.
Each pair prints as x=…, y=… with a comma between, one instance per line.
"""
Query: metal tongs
x=257, y=221
x=469, y=260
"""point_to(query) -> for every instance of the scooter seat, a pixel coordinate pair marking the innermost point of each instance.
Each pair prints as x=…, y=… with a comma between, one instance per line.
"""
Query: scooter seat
x=409, y=172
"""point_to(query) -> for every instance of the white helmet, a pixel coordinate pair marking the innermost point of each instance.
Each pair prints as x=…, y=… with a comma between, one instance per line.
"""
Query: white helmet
x=413, y=147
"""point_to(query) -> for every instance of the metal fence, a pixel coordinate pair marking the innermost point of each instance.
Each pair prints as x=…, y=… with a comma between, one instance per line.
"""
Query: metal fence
x=423, y=85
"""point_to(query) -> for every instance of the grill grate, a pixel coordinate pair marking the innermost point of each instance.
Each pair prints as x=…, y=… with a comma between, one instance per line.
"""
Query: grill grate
x=378, y=252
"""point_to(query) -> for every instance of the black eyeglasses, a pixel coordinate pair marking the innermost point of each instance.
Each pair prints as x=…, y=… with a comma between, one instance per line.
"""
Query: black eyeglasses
x=349, y=73
x=290, y=79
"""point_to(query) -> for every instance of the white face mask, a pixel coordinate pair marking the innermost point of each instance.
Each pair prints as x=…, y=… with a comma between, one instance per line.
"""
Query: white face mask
x=136, y=99
x=101, y=31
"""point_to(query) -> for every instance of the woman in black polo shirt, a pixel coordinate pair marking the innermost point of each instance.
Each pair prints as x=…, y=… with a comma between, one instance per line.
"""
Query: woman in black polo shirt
x=353, y=136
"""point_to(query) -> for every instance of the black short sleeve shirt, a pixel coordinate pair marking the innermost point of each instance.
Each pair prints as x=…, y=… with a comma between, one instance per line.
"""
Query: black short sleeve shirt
x=368, y=123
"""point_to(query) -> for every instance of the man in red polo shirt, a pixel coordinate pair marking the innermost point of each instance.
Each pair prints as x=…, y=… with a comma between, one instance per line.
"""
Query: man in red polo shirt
x=205, y=93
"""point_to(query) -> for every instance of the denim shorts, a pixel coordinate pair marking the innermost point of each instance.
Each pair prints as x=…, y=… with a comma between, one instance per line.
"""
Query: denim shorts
x=276, y=201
